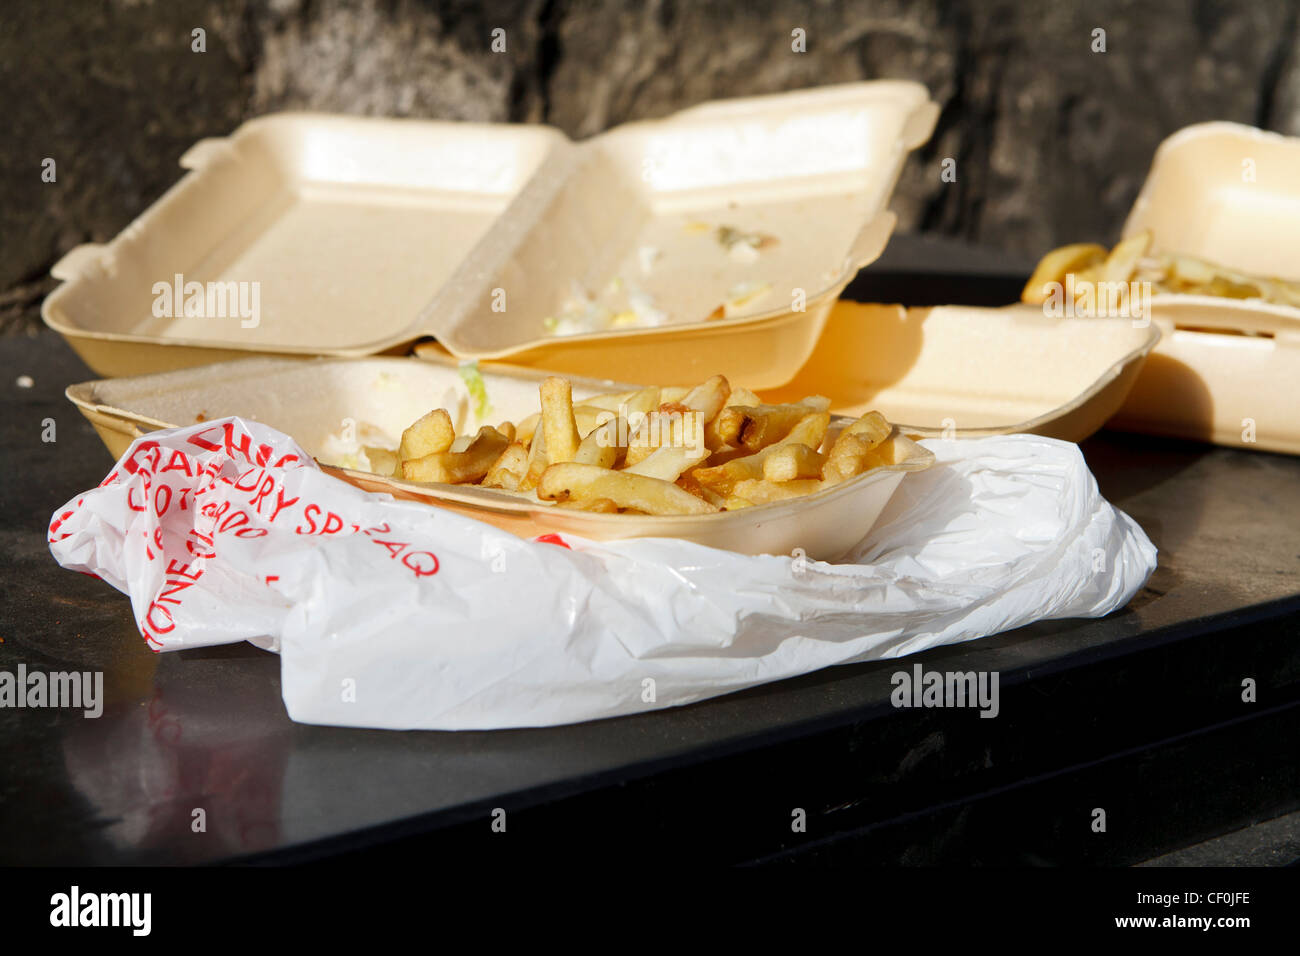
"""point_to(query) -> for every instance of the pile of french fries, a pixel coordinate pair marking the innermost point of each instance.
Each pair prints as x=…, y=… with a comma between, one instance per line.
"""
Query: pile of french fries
x=654, y=451
x=1132, y=261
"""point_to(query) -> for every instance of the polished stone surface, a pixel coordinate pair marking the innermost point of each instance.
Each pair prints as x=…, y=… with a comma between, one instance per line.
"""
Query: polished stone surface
x=1144, y=702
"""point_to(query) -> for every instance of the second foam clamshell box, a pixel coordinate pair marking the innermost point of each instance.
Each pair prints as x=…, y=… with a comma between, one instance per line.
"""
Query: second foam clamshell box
x=365, y=235
x=1227, y=370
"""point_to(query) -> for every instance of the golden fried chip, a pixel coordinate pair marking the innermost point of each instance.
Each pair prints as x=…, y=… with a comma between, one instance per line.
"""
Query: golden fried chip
x=571, y=481
x=508, y=470
x=757, y=426
x=457, y=467
x=558, y=423
x=382, y=461
x=851, y=457
x=759, y=491
x=871, y=427
x=595, y=505
x=1054, y=266
x=793, y=462
x=429, y=435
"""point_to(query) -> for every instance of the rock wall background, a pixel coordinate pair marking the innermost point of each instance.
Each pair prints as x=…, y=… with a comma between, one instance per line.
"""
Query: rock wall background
x=1052, y=140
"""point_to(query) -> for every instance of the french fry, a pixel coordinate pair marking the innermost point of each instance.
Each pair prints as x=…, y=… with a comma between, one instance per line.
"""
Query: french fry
x=1087, y=278
x=713, y=440
x=1054, y=266
x=722, y=478
x=708, y=398
x=793, y=462
x=760, y=491
x=668, y=461
x=505, y=480
x=601, y=446
x=1133, y=259
x=647, y=438
x=650, y=451
x=642, y=403
x=857, y=448
x=1227, y=288
x=430, y=434
x=610, y=401
x=757, y=426
x=459, y=467
x=686, y=481
x=605, y=444
x=704, y=400
x=602, y=506
x=537, y=461
x=558, y=424
x=569, y=481
x=810, y=430
x=871, y=427
x=666, y=425
x=1184, y=273
x=508, y=470
x=382, y=461
x=851, y=457
x=526, y=427
x=1124, y=257
x=588, y=419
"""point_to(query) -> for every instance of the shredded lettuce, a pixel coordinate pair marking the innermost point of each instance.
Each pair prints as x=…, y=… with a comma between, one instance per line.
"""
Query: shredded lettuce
x=477, y=388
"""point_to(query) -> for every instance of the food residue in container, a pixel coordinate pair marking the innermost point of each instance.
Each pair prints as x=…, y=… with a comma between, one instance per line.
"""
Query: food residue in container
x=742, y=246
x=743, y=293
x=621, y=304
x=626, y=306
x=356, y=446
x=476, y=386
x=646, y=257
x=1133, y=259
x=647, y=312
x=739, y=296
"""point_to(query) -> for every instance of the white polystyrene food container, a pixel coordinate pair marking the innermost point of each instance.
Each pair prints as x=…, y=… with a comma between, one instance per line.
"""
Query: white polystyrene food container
x=1226, y=370
x=315, y=401
x=364, y=235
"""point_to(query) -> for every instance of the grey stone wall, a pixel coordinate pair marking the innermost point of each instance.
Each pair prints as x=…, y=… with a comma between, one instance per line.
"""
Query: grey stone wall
x=1051, y=139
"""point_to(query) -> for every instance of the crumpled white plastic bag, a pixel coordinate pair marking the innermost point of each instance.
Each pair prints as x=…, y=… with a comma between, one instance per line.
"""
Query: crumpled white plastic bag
x=395, y=614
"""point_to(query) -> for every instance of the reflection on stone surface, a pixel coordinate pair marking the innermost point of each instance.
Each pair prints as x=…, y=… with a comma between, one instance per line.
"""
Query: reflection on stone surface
x=190, y=772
